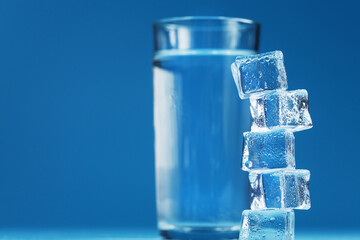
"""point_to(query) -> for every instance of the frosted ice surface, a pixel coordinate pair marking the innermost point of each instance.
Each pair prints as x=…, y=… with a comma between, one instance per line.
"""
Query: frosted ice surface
x=267, y=224
x=280, y=188
x=268, y=150
x=257, y=73
x=281, y=109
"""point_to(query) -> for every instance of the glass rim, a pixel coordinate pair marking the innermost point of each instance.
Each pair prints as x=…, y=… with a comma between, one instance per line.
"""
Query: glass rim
x=174, y=21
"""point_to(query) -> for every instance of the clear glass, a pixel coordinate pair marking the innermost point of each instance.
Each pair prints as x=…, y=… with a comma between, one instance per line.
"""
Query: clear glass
x=199, y=120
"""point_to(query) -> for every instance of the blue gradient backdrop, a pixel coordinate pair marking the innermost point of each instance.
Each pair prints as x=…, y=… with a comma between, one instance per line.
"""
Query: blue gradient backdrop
x=76, y=135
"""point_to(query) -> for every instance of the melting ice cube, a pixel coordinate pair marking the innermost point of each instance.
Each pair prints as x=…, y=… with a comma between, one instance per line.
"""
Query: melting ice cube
x=281, y=109
x=256, y=74
x=267, y=224
x=268, y=150
x=280, y=188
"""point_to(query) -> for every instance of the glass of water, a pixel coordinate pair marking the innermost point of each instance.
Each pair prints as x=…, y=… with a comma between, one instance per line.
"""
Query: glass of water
x=199, y=119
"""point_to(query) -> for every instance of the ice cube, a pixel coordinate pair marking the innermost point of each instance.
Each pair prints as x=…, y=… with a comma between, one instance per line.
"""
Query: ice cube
x=267, y=150
x=258, y=73
x=267, y=224
x=280, y=188
x=281, y=109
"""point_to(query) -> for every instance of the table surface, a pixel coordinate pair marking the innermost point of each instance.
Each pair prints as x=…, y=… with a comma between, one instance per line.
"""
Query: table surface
x=145, y=234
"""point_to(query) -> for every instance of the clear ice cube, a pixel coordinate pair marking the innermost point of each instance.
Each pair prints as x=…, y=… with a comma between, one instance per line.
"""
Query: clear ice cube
x=280, y=188
x=258, y=73
x=281, y=109
x=267, y=224
x=268, y=150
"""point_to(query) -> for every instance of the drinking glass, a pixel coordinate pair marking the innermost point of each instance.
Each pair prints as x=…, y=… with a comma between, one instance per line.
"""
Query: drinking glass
x=199, y=120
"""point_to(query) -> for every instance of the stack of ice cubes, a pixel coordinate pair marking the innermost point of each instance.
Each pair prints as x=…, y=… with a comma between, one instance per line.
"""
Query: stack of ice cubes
x=269, y=148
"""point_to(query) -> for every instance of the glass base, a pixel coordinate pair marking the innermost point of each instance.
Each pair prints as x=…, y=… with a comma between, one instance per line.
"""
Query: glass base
x=199, y=233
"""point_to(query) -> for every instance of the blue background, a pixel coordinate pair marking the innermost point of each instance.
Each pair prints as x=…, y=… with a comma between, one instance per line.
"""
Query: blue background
x=76, y=134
